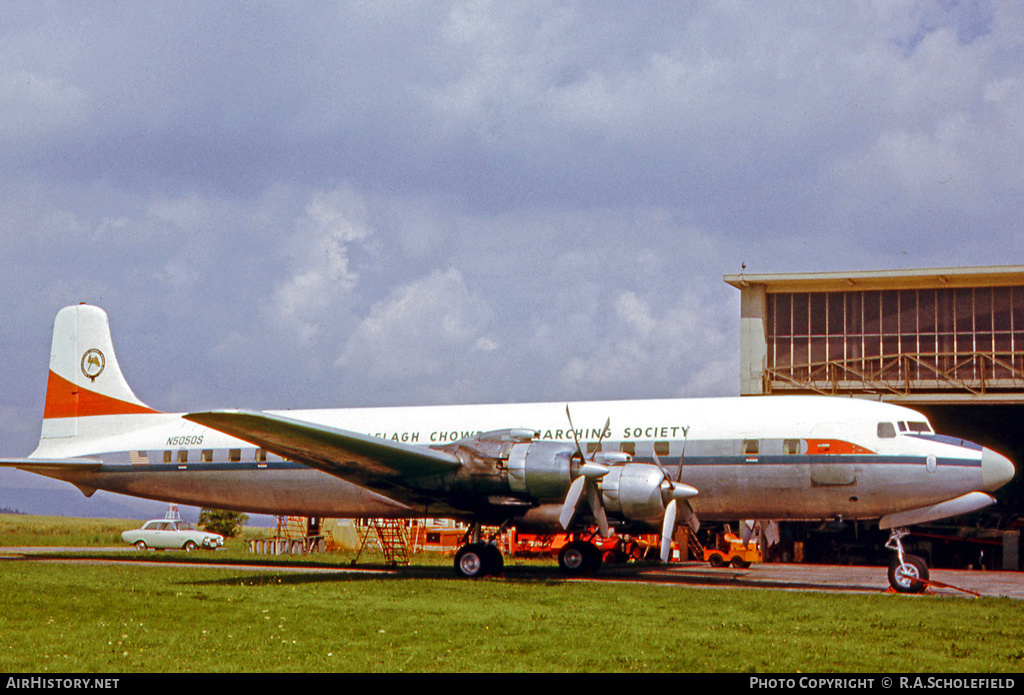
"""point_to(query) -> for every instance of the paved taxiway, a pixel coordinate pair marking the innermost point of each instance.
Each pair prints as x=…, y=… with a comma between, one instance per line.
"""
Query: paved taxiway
x=832, y=578
x=835, y=578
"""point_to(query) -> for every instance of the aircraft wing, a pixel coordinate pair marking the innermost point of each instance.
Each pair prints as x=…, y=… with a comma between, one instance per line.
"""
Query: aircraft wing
x=375, y=463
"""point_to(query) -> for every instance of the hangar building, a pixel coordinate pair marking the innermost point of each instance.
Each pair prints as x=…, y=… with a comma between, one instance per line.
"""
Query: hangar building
x=948, y=342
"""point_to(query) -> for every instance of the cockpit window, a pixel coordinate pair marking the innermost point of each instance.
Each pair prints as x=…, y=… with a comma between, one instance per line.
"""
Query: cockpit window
x=886, y=430
x=919, y=427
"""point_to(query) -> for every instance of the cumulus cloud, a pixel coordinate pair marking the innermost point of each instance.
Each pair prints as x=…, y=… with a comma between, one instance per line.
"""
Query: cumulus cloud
x=321, y=275
x=428, y=328
x=684, y=348
x=357, y=203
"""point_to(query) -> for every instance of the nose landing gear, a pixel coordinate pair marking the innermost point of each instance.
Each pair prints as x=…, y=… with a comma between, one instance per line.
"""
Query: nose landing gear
x=908, y=574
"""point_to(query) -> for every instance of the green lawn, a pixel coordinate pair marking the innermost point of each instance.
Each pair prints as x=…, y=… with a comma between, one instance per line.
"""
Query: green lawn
x=76, y=617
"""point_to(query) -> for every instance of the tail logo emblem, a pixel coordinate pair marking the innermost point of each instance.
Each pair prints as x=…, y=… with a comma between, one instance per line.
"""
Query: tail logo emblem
x=93, y=363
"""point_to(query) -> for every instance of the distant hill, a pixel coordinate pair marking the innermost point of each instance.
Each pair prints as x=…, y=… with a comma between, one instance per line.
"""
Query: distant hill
x=102, y=505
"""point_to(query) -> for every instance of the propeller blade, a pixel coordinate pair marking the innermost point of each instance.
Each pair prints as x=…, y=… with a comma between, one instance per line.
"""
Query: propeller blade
x=689, y=517
x=668, y=529
x=607, y=429
x=571, y=500
x=594, y=498
x=657, y=462
x=588, y=475
x=747, y=530
x=686, y=431
x=568, y=416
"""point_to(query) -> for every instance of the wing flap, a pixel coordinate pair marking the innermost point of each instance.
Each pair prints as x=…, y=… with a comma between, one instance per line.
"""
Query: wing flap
x=358, y=458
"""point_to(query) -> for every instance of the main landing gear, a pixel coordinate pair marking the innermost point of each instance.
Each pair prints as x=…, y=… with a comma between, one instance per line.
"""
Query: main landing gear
x=908, y=574
x=478, y=558
x=579, y=557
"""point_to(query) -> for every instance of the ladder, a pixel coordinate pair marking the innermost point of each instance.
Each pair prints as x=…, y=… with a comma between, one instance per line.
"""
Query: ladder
x=694, y=545
x=291, y=527
x=392, y=537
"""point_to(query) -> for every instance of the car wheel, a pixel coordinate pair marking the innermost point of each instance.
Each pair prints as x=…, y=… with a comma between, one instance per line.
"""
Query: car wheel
x=189, y=546
x=140, y=545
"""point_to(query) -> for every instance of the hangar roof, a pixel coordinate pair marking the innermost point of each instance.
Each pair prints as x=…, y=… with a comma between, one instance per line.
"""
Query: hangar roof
x=925, y=278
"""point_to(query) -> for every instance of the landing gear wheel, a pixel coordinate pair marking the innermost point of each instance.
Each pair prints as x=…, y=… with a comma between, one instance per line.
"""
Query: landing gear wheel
x=579, y=557
x=909, y=577
x=494, y=563
x=477, y=560
x=469, y=561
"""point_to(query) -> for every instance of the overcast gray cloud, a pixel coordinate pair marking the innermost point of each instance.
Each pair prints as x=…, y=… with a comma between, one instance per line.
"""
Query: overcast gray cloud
x=351, y=203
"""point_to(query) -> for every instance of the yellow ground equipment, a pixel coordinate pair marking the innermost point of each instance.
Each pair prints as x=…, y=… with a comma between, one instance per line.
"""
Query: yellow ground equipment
x=730, y=550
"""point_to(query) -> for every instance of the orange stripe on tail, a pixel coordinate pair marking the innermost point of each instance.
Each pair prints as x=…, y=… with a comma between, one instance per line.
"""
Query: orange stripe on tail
x=65, y=399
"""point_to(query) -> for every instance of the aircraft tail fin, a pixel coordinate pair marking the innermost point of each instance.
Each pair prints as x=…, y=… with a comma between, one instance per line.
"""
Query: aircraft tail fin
x=85, y=385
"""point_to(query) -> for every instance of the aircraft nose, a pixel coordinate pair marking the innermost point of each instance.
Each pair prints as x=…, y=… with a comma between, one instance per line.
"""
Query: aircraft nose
x=996, y=469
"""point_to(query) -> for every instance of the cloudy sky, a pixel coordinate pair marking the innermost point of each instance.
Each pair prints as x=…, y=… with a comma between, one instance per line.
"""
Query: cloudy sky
x=289, y=204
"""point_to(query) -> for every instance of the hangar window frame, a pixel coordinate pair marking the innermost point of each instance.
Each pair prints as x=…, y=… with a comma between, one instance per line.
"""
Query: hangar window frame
x=934, y=338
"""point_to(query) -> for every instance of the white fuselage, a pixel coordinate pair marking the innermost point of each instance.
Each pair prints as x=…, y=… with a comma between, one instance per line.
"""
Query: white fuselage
x=756, y=457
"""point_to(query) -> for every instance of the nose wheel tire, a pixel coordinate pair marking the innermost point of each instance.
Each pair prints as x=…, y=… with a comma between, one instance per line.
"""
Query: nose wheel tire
x=910, y=577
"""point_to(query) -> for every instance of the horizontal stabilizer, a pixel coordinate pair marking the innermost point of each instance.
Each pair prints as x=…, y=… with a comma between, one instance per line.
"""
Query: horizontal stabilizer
x=358, y=458
x=42, y=465
x=964, y=504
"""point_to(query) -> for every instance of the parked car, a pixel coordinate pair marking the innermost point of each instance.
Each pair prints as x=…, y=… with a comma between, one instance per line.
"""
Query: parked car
x=168, y=533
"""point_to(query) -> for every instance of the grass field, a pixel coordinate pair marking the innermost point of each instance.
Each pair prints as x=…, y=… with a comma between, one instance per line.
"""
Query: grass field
x=78, y=617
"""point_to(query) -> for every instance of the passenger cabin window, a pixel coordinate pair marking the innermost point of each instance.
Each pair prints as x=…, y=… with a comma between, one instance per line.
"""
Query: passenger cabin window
x=234, y=455
x=206, y=456
x=182, y=455
x=886, y=430
x=261, y=455
x=168, y=457
x=628, y=448
x=791, y=446
x=661, y=448
x=593, y=447
x=750, y=446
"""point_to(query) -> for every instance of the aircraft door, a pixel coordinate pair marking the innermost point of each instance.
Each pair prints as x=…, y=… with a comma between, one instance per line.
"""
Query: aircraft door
x=832, y=439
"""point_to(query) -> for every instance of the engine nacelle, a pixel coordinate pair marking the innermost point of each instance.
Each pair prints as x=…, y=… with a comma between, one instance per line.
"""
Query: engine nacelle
x=634, y=491
x=542, y=470
x=545, y=470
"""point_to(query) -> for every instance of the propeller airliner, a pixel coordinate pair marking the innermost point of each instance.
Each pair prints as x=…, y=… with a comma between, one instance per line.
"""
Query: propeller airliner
x=639, y=466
